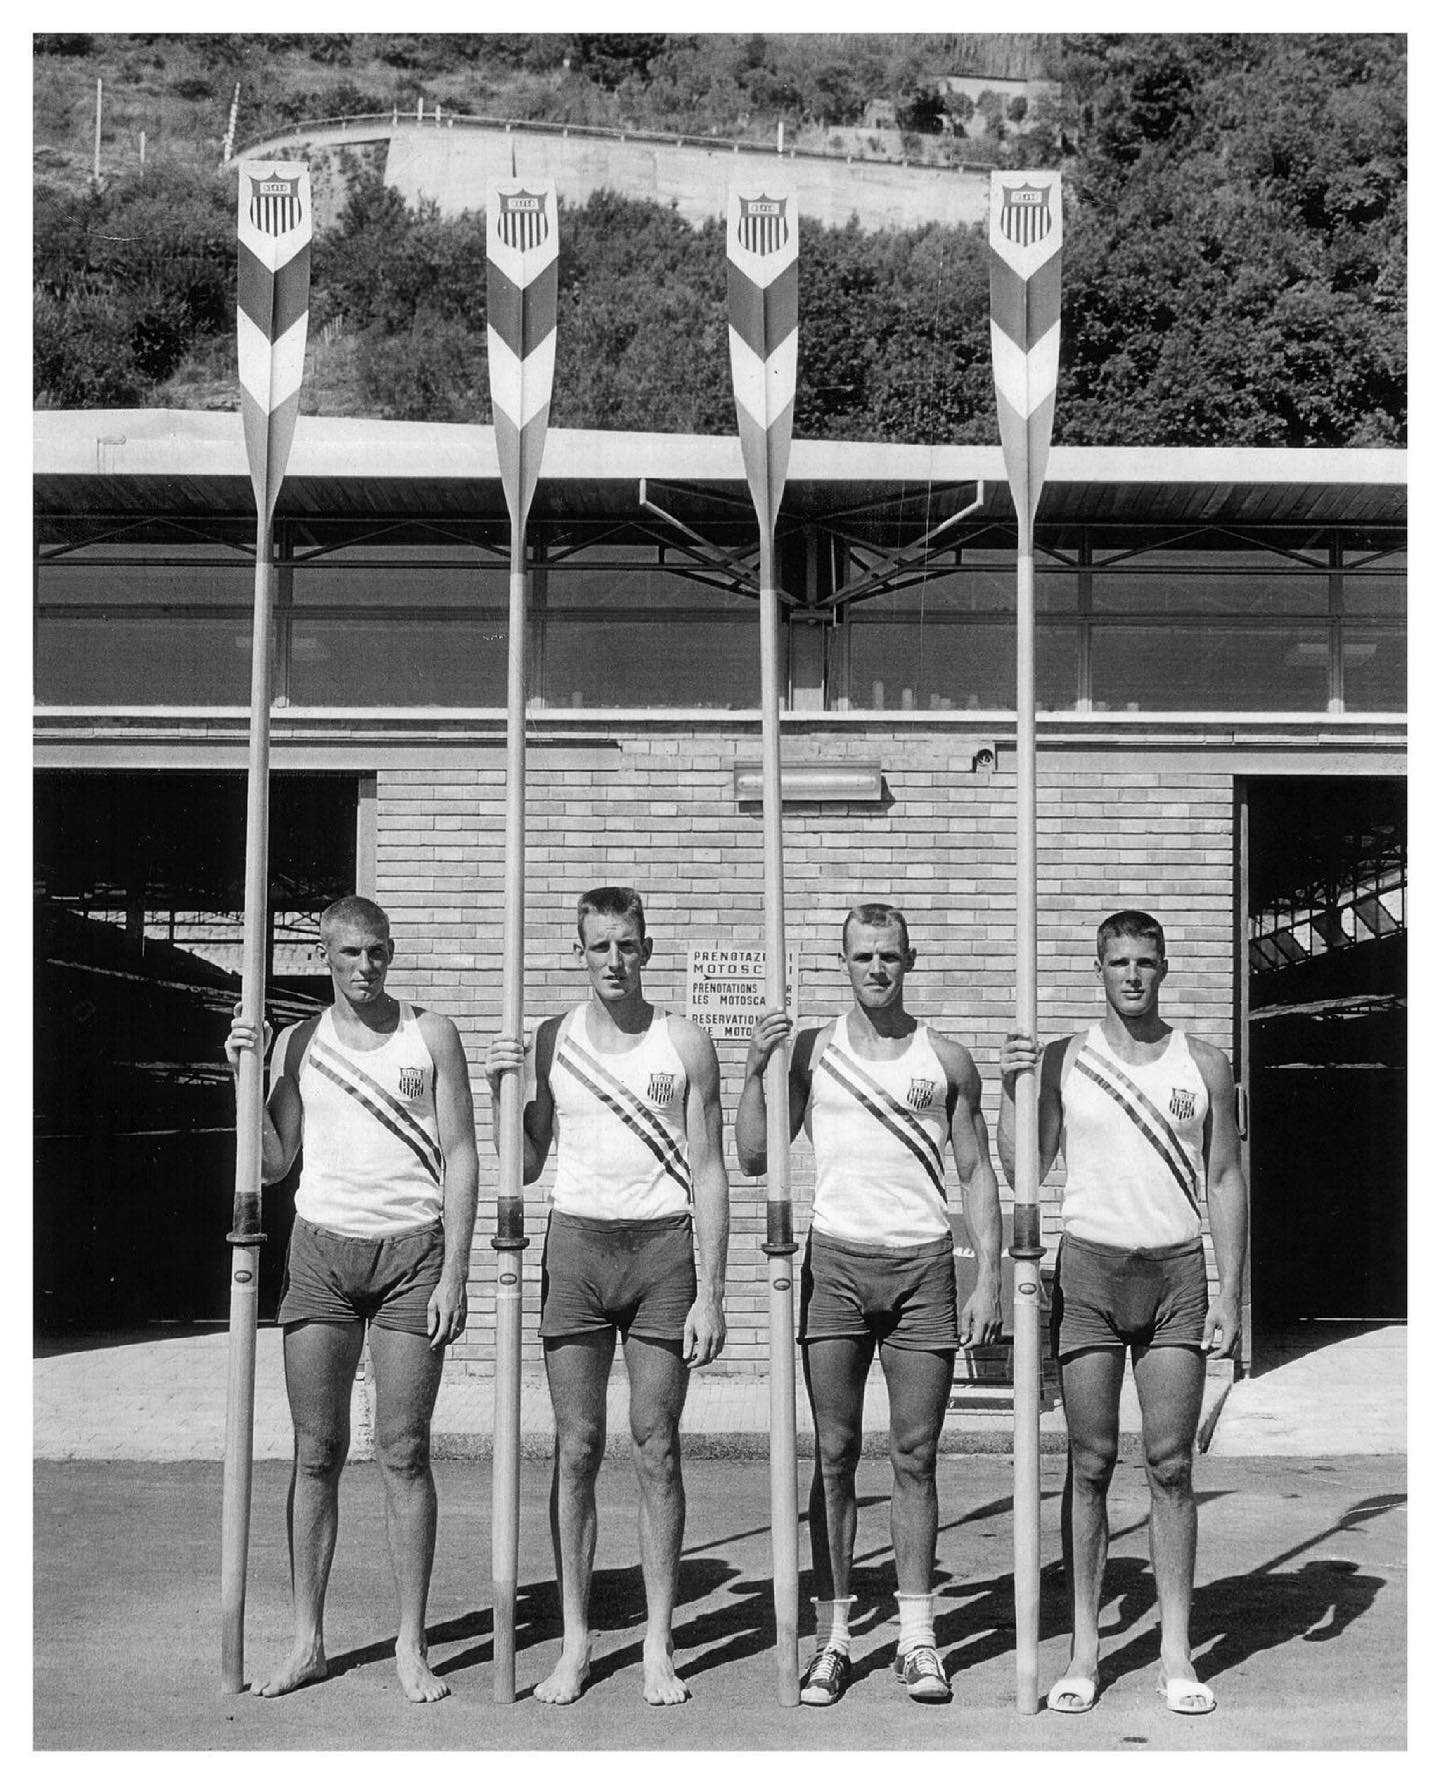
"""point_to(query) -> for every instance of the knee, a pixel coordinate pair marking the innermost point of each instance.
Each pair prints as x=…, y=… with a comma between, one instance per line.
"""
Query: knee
x=837, y=1453
x=656, y=1446
x=1093, y=1463
x=579, y=1449
x=320, y=1454
x=912, y=1458
x=1171, y=1472
x=405, y=1454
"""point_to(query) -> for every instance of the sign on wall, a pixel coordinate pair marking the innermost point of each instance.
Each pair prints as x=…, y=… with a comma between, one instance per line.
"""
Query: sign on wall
x=725, y=992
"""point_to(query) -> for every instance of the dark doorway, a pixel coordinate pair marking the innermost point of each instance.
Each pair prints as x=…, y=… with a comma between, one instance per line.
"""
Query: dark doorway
x=138, y=920
x=1327, y=1045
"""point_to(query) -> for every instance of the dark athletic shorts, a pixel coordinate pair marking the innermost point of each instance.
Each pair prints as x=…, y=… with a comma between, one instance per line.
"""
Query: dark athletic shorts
x=903, y=1297
x=629, y=1276
x=341, y=1280
x=1110, y=1298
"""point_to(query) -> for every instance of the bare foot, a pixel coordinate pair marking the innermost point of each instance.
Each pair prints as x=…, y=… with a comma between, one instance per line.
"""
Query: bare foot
x=567, y=1681
x=662, y=1683
x=302, y=1666
x=416, y=1679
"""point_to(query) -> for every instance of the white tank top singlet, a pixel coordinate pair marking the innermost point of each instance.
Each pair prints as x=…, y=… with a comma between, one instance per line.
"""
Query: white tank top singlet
x=878, y=1127
x=1134, y=1146
x=619, y=1124
x=373, y=1164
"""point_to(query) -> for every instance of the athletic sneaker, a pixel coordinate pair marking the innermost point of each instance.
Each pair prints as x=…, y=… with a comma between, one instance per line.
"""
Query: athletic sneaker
x=826, y=1677
x=923, y=1675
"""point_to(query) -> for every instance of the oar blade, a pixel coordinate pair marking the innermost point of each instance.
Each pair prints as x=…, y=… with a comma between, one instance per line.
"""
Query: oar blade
x=272, y=314
x=1026, y=237
x=522, y=288
x=762, y=249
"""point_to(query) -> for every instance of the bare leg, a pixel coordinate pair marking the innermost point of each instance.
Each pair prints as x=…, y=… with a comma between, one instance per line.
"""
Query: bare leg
x=1170, y=1381
x=320, y=1362
x=1090, y=1383
x=578, y=1370
x=658, y=1381
x=835, y=1371
x=919, y=1387
x=407, y=1378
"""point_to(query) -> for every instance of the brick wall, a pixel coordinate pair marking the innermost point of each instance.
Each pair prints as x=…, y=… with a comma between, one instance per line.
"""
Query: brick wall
x=655, y=808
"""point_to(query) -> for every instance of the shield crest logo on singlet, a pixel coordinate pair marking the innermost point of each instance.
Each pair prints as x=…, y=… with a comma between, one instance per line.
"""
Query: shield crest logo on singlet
x=921, y=1093
x=412, y=1082
x=1182, y=1104
x=661, y=1089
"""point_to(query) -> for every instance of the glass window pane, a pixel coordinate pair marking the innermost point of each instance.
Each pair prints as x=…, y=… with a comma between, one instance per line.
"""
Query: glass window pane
x=347, y=662
x=972, y=591
x=651, y=662
x=215, y=582
x=1369, y=591
x=957, y=668
x=1192, y=589
x=573, y=587
x=335, y=583
x=110, y=660
x=1374, y=669
x=1210, y=668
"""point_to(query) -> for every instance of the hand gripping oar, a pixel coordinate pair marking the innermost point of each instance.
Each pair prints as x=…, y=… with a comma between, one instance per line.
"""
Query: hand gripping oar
x=762, y=245
x=272, y=309
x=1025, y=237
x=522, y=286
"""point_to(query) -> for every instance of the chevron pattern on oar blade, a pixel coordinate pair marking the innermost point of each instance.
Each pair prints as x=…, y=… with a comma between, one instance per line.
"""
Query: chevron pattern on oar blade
x=762, y=244
x=272, y=312
x=522, y=286
x=1026, y=234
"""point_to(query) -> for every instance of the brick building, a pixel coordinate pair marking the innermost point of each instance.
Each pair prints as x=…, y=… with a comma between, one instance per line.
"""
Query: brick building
x=1220, y=676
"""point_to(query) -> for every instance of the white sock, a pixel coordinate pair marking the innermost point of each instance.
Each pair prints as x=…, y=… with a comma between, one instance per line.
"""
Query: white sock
x=917, y=1620
x=832, y=1624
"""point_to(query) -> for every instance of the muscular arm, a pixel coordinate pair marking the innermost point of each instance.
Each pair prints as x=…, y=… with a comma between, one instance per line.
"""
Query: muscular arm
x=1226, y=1197
x=704, y=1132
x=1015, y=1051
x=282, y=1128
x=980, y=1317
x=538, y=1118
x=455, y=1118
x=751, y=1139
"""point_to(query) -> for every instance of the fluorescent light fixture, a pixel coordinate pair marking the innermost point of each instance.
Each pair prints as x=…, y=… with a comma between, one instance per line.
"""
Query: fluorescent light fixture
x=815, y=782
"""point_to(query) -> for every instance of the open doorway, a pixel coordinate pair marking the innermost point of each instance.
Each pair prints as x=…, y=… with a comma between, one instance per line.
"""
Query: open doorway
x=1326, y=940
x=138, y=922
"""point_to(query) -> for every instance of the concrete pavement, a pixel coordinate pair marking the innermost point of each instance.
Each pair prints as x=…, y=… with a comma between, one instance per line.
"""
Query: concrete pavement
x=1298, y=1623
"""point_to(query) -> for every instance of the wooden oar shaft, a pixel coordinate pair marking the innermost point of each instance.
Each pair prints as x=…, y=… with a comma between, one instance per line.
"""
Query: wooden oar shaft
x=245, y=1236
x=509, y=1241
x=1025, y=1246
x=779, y=1237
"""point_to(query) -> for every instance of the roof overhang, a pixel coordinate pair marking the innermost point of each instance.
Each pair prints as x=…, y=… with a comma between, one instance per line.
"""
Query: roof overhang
x=192, y=462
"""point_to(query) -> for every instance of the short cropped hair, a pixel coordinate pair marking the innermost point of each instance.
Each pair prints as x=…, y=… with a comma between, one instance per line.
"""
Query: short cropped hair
x=875, y=916
x=363, y=913
x=610, y=901
x=1138, y=925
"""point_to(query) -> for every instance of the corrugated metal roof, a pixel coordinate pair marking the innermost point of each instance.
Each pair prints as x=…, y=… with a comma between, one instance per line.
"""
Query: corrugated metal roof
x=191, y=462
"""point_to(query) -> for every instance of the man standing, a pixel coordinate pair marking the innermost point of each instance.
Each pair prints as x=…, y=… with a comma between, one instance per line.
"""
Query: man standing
x=879, y=1093
x=1145, y=1115
x=632, y=1096
x=379, y=1093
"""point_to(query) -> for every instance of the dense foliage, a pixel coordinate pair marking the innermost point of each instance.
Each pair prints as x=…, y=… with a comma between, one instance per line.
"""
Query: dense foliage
x=1234, y=261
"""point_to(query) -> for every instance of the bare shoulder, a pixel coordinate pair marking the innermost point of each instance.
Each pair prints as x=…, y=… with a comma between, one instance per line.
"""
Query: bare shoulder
x=292, y=1044
x=1213, y=1063
x=437, y=1030
x=957, y=1059
x=1060, y=1055
x=693, y=1044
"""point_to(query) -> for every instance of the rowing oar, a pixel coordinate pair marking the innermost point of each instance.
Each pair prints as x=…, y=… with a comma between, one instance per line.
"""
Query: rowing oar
x=272, y=308
x=521, y=289
x=764, y=308
x=1025, y=237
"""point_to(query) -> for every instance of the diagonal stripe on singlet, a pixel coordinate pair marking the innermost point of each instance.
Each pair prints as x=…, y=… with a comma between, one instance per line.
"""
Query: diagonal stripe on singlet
x=874, y=1098
x=406, y=1117
x=381, y=1115
x=1142, y=1112
x=623, y=1102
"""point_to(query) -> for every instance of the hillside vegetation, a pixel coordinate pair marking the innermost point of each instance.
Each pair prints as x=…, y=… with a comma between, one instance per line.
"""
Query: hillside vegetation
x=1234, y=259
